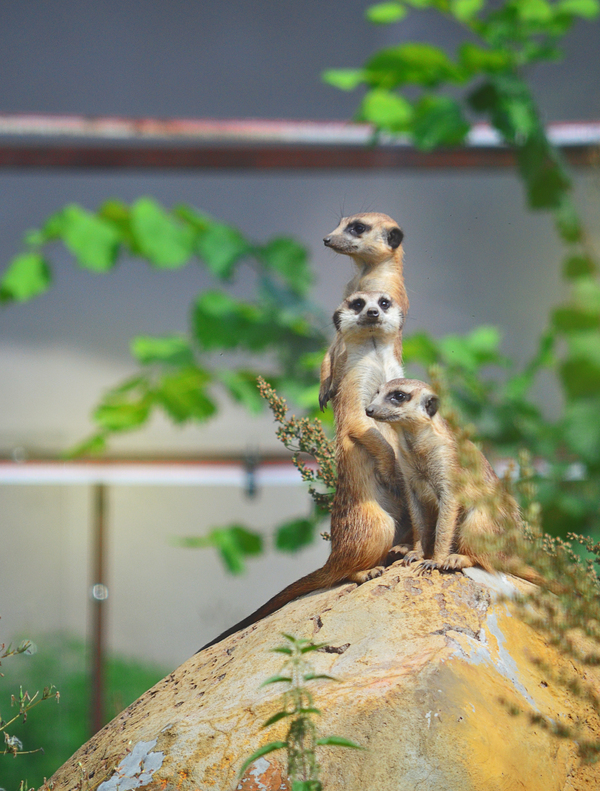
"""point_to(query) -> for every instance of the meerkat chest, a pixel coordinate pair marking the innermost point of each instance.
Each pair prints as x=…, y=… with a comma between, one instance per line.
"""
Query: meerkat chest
x=421, y=469
x=373, y=364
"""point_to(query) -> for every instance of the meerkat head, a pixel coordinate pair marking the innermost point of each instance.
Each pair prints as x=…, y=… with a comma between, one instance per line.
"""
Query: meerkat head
x=370, y=238
x=366, y=314
x=404, y=401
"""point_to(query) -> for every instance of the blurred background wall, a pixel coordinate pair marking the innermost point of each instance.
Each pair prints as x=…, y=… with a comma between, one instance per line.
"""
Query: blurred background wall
x=473, y=255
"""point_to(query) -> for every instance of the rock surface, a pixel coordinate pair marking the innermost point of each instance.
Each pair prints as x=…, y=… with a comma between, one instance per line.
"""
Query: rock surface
x=428, y=666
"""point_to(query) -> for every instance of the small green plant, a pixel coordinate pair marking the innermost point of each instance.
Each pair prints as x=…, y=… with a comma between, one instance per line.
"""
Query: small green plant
x=297, y=705
x=23, y=702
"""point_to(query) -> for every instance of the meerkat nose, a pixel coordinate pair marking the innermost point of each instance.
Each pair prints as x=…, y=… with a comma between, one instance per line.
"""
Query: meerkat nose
x=327, y=240
x=370, y=410
x=373, y=312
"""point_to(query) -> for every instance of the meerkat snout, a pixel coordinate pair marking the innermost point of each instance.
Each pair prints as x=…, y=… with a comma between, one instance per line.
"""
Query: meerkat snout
x=370, y=410
x=327, y=241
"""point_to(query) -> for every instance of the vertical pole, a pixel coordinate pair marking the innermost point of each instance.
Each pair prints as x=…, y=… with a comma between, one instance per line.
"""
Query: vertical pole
x=99, y=595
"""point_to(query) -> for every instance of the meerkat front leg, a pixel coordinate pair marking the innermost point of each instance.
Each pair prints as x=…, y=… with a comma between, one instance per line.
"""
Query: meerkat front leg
x=419, y=525
x=378, y=447
x=445, y=532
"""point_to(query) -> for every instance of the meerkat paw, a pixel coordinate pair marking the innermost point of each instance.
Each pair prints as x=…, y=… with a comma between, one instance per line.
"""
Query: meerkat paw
x=364, y=576
x=427, y=566
x=412, y=557
x=397, y=553
x=326, y=393
x=456, y=563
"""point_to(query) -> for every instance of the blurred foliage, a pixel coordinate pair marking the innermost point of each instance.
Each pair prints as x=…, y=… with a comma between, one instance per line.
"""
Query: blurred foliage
x=62, y=729
x=177, y=373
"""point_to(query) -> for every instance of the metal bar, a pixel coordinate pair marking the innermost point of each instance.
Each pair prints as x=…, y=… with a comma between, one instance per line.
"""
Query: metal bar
x=291, y=158
x=99, y=595
x=247, y=144
x=147, y=474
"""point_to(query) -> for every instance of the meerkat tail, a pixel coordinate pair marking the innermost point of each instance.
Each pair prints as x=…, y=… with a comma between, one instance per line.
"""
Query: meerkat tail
x=324, y=577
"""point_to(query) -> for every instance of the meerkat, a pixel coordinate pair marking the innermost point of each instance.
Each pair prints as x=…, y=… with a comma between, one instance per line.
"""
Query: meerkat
x=445, y=531
x=367, y=507
x=374, y=242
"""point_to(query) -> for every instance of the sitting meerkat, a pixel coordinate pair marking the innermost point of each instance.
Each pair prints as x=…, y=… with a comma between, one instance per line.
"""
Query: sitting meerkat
x=374, y=242
x=367, y=511
x=427, y=454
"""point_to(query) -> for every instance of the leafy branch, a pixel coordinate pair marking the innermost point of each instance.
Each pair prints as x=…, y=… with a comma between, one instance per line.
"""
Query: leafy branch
x=297, y=706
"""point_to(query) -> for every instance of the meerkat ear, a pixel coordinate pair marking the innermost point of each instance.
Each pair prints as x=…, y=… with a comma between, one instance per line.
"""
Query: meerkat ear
x=336, y=319
x=395, y=237
x=432, y=405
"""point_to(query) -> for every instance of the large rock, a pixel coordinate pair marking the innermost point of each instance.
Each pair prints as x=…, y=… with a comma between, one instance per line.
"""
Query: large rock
x=431, y=670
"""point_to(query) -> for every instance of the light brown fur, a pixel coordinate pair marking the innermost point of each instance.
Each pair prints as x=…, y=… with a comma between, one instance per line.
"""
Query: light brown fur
x=367, y=507
x=378, y=255
x=445, y=532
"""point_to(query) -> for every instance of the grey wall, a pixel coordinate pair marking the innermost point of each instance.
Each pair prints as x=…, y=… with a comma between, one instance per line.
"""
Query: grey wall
x=473, y=255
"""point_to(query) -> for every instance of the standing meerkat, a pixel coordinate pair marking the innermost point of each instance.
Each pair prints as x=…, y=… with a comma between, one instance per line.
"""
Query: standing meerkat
x=367, y=507
x=445, y=530
x=374, y=242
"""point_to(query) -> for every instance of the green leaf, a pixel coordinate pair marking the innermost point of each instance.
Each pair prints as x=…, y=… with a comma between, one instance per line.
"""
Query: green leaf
x=93, y=241
x=420, y=348
x=588, y=9
x=580, y=371
x=241, y=385
x=123, y=415
x=576, y=266
x=267, y=748
x=27, y=276
x=414, y=63
x=170, y=350
x=566, y=218
x=386, y=13
x=438, y=121
x=339, y=741
x=344, y=79
x=233, y=543
x=183, y=397
x=307, y=785
x=282, y=649
x=465, y=10
x=221, y=246
x=223, y=322
x=92, y=446
x=277, y=717
x=582, y=428
x=295, y=534
x=386, y=110
x=249, y=543
x=475, y=59
x=534, y=10
x=317, y=676
x=277, y=680
x=163, y=240
x=290, y=260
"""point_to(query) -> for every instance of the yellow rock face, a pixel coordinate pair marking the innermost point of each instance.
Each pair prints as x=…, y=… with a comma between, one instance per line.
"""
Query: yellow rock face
x=431, y=671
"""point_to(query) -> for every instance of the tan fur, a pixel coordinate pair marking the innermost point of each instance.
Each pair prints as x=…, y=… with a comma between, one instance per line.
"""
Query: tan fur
x=378, y=255
x=367, y=507
x=445, y=532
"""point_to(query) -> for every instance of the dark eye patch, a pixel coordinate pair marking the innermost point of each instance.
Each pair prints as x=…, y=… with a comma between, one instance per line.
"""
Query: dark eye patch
x=399, y=397
x=357, y=304
x=384, y=303
x=357, y=228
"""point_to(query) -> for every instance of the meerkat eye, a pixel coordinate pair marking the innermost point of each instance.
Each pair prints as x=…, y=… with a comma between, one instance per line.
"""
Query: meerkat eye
x=357, y=228
x=384, y=303
x=357, y=305
x=398, y=397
